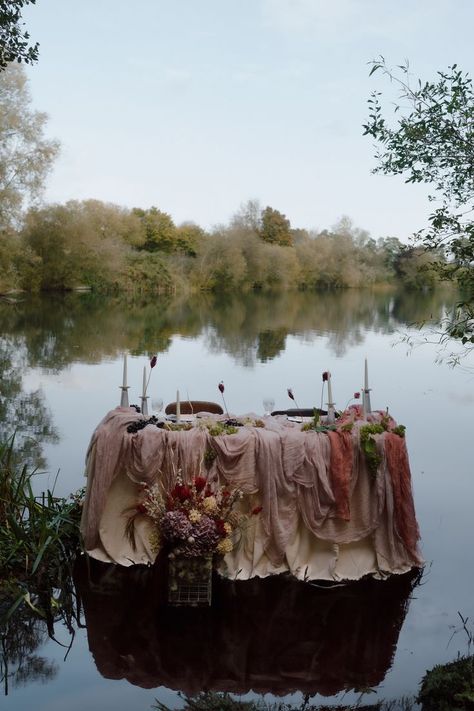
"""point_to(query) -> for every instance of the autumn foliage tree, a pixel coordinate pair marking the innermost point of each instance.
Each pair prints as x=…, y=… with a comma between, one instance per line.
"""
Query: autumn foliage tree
x=26, y=155
x=275, y=228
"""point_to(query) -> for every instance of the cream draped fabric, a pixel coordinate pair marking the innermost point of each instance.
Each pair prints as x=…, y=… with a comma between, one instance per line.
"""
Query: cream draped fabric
x=324, y=516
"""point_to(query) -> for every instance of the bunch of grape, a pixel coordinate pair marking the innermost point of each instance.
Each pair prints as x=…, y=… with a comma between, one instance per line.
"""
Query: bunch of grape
x=140, y=424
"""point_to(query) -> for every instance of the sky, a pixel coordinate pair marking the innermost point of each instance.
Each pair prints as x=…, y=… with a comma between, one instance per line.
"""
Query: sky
x=197, y=106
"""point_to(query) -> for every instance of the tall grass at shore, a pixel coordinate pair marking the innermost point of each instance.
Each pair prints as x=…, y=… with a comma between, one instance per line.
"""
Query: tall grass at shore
x=39, y=538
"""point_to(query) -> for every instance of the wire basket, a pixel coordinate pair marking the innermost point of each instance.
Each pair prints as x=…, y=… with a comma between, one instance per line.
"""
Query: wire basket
x=189, y=580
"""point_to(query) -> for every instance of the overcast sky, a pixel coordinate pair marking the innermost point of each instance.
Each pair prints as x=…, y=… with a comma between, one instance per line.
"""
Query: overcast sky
x=196, y=106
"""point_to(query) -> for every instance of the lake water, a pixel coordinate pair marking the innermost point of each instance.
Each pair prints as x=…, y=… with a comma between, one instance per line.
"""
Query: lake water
x=61, y=367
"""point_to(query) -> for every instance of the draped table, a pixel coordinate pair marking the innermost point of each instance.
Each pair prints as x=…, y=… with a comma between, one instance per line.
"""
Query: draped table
x=326, y=513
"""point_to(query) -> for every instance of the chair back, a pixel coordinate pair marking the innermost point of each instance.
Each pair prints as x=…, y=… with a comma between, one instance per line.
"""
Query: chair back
x=300, y=412
x=190, y=407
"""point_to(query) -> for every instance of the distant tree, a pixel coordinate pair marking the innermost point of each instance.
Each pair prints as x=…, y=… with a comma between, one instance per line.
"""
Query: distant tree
x=275, y=228
x=431, y=141
x=220, y=264
x=77, y=243
x=187, y=238
x=159, y=230
x=390, y=247
x=416, y=267
x=14, y=40
x=248, y=217
x=26, y=156
x=299, y=236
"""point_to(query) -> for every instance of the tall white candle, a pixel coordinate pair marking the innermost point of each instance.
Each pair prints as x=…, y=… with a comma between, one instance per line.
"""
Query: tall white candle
x=178, y=407
x=329, y=388
x=124, y=384
x=144, y=381
x=366, y=405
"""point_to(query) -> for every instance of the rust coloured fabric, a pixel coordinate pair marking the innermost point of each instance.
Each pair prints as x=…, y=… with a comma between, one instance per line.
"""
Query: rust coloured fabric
x=341, y=470
x=404, y=509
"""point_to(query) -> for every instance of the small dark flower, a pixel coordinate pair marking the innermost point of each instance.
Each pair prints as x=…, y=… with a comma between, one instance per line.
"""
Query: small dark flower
x=356, y=396
x=153, y=361
x=256, y=510
x=221, y=386
x=141, y=508
x=200, y=483
x=181, y=492
x=220, y=527
x=290, y=394
x=185, y=493
x=325, y=376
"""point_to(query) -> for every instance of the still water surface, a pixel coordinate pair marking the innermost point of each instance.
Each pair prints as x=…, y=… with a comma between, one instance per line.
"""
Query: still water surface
x=61, y=362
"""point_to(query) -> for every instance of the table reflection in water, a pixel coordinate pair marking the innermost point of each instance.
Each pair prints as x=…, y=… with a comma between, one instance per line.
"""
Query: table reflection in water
x=274, y=635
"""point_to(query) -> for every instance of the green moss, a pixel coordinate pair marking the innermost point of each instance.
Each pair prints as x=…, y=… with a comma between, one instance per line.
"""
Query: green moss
x=178, y=426
x=209, y=456
x=348, y=427
x=399, y=430
x=449, y=687
x=220, y=428
x=369, y=446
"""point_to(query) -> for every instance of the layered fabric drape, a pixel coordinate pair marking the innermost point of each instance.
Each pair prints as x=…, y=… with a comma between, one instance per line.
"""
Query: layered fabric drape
x=325, y=514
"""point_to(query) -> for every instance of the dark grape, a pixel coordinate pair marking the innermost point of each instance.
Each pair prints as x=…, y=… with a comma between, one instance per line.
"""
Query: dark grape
x=140, y=424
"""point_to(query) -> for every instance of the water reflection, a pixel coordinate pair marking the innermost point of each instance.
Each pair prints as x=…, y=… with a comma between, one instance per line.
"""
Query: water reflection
x=59, y=330
x=20, y=664
x=271, y=635
x=22, y=414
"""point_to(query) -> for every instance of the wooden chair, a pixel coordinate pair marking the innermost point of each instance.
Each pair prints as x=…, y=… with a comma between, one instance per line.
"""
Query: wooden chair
x=190, y=407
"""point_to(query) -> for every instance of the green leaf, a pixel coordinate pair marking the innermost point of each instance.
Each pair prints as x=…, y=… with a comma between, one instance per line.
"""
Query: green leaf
x=41, y=553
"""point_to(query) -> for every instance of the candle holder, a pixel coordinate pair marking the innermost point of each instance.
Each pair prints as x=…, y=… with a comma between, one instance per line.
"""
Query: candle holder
x=124, y=396
x=366, y=406
x=331, y=416
x=144, y=406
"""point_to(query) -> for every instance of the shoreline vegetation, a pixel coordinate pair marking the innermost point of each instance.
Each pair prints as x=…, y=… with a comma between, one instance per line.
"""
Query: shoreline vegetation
x=105, y=248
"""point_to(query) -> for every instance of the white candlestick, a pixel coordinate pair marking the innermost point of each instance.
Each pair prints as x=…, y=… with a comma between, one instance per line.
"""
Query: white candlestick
x=178, y=407
x=144, y=382
x=124, y=383
x=329, y=389
x=366, y=405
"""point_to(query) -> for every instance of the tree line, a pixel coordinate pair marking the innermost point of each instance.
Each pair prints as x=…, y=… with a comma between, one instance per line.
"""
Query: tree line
x=107, y=247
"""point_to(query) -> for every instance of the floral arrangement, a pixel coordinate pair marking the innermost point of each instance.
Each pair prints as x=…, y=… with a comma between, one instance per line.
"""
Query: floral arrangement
x=194, y=519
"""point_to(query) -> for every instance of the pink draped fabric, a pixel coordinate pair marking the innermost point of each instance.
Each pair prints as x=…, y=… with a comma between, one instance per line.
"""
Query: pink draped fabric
x=104, y=459
x=320, y=479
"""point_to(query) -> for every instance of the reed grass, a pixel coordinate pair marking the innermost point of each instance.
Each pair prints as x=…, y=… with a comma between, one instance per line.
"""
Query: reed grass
x=39, y=539
x=218, y=701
